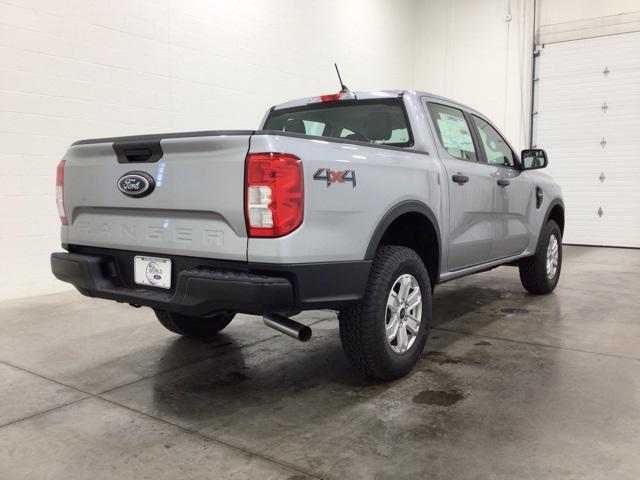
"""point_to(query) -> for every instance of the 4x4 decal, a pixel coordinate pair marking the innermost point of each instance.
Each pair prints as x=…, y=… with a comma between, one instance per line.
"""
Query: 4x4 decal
x=335, y=176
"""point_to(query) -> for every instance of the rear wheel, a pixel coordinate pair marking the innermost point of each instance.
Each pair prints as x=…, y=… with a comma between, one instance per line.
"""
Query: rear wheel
x=197, y=327
x=384, y=335
x=540, y=273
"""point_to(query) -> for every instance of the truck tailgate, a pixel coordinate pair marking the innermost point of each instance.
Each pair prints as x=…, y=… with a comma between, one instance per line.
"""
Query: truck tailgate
x=195, y=209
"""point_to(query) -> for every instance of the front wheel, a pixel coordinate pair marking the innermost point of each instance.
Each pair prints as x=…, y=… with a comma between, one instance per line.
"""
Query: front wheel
x=384, y=335
x=197, y=327
x=540, y=273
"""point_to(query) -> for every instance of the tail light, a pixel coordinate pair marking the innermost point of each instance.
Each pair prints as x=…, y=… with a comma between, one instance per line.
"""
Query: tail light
x=274, y=189
x=60, y=192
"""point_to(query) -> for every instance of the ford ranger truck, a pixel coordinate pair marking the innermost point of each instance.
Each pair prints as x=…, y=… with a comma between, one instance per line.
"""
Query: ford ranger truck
x=359, y=202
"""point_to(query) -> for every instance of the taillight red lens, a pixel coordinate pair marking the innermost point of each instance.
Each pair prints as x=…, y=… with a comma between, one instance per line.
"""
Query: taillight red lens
x=60, y=192
x=274, y=194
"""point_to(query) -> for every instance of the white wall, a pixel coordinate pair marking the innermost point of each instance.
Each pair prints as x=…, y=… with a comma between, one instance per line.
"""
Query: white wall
x=74, y=69
x=467, y=50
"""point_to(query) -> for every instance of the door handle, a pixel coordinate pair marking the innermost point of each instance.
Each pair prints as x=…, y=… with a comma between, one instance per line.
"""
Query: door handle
x=503, y=183
x=460, y=179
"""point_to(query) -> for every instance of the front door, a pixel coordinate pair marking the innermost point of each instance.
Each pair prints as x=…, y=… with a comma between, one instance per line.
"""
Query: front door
x=514, y=194
x=471, y=189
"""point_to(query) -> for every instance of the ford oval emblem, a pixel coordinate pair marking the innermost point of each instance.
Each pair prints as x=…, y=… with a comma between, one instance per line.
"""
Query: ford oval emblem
x=136, y=184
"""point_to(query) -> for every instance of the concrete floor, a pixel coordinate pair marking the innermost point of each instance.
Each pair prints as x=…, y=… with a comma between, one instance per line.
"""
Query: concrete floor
x=510, y=386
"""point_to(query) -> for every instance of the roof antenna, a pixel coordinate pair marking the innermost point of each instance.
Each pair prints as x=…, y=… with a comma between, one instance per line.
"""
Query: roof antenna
x=344, y=87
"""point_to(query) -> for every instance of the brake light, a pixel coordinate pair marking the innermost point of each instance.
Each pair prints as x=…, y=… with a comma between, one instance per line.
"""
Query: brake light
x=332, y=97
x=274, y=189
x=60, y=192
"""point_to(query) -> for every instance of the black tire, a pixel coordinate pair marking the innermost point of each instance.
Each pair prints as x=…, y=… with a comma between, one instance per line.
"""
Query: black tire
x=533, y=270
x=362, y=327
x=196, y=327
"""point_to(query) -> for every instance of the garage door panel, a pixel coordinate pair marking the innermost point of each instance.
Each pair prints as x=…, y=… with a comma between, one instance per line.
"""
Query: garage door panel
x=590, y=98
x=619, y=52
x=618, y=104
x=589, y=91
x=594, y=152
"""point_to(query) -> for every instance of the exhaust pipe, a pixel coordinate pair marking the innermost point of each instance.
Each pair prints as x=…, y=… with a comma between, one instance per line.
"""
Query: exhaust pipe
x=287, y=326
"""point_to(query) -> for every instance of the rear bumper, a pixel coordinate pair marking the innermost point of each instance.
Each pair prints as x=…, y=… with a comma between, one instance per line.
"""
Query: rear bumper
x=205, y=286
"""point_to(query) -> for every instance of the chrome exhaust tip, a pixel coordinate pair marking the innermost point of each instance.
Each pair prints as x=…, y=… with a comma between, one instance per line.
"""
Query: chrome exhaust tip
x=287, y=326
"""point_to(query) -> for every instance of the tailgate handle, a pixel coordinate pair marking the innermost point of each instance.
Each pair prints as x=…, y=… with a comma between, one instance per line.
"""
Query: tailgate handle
x=138, y=151
x=137, y=154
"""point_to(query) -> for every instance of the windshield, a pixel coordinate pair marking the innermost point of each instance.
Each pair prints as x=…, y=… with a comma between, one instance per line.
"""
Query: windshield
x=381, y=122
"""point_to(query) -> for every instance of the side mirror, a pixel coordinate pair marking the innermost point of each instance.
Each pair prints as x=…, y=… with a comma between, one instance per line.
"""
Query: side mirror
x=534, y=158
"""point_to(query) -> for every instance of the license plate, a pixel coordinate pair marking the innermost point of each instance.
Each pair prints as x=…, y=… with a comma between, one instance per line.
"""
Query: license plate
x=152, y=271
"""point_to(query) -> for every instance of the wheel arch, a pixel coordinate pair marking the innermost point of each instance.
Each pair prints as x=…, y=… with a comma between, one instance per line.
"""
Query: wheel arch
x=555, y=212
x=422, y=223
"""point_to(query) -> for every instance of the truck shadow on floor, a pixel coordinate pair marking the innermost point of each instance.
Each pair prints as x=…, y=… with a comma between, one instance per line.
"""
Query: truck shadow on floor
x=277, y=368
x=303, y=403
x=450, y=303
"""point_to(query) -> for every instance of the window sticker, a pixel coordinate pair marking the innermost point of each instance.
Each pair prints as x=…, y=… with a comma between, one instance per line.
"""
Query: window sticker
x=454, y=132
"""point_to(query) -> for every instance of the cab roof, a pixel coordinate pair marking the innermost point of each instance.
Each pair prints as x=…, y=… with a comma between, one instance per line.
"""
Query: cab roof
x=372, y=95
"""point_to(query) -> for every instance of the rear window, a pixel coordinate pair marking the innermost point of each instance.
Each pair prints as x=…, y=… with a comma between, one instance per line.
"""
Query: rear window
x=381, y=122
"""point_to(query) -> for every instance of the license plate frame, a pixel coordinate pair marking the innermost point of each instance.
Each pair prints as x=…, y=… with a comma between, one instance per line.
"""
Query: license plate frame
x=152, y=271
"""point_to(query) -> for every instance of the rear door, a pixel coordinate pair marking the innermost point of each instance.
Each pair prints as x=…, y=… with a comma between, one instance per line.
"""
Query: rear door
x=514, y=198
x=471, y=188
x=195, y=208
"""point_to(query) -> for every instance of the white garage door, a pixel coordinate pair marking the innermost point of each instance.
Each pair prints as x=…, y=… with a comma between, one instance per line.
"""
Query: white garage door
x=588, y=121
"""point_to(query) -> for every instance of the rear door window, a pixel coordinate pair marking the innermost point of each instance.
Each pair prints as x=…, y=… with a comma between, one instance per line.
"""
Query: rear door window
x=453, y=131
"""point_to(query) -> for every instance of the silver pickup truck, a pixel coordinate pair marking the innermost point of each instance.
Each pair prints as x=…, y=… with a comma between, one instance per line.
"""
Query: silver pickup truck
x=359, y=202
